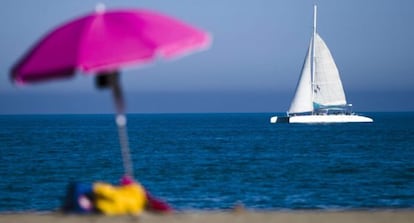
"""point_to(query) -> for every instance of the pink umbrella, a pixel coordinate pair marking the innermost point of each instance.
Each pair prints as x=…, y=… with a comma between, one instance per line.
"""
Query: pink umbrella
x=102, y=43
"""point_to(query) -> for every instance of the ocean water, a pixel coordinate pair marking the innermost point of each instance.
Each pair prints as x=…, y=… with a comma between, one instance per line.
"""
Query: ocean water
x=212, y=161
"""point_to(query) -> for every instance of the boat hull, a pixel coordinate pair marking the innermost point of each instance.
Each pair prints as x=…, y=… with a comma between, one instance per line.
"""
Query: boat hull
x=341, y=118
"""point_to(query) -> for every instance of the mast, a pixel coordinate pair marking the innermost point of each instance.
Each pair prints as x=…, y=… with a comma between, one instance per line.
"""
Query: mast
x=314, y=19
x=313, y=52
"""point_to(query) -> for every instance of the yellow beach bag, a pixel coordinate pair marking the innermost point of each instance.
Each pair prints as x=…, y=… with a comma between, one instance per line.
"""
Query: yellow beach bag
x=119, y=200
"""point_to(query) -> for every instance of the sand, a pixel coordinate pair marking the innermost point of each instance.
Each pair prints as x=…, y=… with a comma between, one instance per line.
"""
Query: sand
x=397, y=216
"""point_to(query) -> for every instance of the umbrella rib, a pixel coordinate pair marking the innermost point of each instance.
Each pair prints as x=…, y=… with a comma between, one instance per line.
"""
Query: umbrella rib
x=83, y=38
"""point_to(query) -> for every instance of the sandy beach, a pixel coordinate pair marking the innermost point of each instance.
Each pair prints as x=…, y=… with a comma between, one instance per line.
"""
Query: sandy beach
x=363, y=216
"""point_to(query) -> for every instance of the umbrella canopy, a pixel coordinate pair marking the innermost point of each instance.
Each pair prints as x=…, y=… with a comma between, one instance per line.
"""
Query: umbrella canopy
x=102, y=43
x=107, y=41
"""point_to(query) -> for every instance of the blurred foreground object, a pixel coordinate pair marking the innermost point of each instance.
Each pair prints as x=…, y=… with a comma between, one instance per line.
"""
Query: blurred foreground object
x=103, y=43
x=128, y=198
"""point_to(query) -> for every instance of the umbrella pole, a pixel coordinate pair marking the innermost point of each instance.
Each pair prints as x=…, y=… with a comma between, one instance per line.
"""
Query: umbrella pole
x=123, y=139
x=112, y=79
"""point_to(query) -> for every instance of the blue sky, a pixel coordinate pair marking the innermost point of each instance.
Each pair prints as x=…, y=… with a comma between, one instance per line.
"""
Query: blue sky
x=252, y=66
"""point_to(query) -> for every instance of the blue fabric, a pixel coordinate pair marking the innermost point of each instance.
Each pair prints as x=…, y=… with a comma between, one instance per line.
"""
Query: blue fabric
x=74, y=192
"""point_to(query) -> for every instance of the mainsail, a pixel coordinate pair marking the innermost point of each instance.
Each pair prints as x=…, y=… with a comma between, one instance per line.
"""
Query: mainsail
x=327, y=85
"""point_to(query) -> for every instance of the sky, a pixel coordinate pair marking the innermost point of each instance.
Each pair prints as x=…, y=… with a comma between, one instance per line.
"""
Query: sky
x=253, y=64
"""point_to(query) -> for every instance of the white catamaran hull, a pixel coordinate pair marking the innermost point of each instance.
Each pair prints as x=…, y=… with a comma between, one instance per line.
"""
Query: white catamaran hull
x=341, y=118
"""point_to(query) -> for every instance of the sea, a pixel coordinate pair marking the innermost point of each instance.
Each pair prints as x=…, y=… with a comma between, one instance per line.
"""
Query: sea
x=212, y=161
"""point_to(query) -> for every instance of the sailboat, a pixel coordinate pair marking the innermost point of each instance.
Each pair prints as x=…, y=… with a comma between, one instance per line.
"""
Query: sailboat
x=319, y=97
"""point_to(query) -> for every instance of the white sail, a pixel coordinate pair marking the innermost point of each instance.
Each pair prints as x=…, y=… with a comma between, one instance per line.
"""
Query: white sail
x=327, y=85
x=302, y=101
